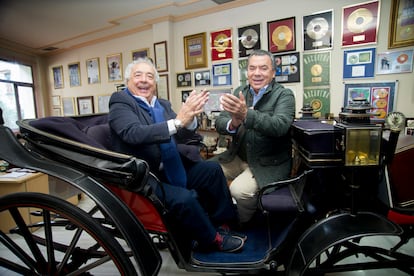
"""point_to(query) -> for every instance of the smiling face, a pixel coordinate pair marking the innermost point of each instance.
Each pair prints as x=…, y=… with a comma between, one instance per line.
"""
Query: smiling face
x=259, y=71
x=142, y=80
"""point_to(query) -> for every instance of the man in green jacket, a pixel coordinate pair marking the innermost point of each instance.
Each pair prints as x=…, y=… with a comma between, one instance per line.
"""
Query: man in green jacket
x=258, y=116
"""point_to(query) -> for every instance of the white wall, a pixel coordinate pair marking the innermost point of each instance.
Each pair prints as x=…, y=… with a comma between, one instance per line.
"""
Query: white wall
x=262, y=12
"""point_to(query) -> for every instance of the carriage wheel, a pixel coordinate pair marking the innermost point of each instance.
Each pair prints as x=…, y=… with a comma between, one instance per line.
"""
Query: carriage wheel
x=66, y=241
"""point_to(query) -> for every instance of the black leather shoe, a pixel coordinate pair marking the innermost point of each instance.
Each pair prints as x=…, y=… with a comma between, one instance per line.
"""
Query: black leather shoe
x=230, y=243
x=227, y=231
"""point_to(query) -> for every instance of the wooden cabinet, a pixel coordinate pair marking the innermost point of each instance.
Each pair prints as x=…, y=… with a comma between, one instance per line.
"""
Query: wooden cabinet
x=31, y=182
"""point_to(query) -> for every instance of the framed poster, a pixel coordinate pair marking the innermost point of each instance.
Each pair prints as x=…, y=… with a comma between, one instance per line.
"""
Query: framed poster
x=395, y=62
x=360, y=23
x=249, y=39
x=359, y=63
x=281, y=35
x=74, y=74
x=57, y=77
x=222, y=74
x=202, y=78
x=319, y=98
x=195, y=51
x=68, y=106
x=401, y=24
x=162, y=87
x=85, y=105
x=316, y=68
x=103, y=103
x=140, y=53
x=318, y=31
x=184, y=79
x=93, y=70
x=161, y=56
x=287, y=67
x=114, y=67
x=381, y=95
x=221, y=45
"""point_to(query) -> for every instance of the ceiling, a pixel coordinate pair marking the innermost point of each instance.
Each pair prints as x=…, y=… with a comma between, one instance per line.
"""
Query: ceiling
x=46, y=27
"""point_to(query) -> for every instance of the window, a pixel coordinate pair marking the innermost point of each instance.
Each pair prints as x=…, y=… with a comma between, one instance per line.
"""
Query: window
x=17, y=98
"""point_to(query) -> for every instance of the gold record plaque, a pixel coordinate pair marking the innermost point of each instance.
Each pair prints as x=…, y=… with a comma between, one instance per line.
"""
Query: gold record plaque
x=249, y=39
x=282, y=35
x=360, y=23
x=317, y=31
x=221, y=46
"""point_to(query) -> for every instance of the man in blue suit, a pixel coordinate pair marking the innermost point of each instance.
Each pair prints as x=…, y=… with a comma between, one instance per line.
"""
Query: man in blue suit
x=146, y=127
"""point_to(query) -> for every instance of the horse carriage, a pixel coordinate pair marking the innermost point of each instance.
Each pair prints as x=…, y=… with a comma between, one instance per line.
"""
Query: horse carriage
x=351, y=181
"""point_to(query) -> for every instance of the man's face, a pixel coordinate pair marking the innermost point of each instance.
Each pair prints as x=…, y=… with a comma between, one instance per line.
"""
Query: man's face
x=142, y=81
x=259, y=72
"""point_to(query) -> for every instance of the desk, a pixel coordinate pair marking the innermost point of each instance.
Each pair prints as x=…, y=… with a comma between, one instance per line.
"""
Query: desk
x=31, y=182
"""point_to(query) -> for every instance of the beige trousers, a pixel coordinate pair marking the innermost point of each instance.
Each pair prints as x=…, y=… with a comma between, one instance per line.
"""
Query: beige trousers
x=243, y=187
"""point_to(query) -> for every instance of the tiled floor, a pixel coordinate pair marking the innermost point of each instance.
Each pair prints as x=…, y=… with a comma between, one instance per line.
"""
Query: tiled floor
x=169, y=267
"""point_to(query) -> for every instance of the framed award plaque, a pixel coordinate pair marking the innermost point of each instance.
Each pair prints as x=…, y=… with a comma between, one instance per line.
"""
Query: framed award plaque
x=249, y=39
x=281, y=35
x=318, y=31
x=221, y=45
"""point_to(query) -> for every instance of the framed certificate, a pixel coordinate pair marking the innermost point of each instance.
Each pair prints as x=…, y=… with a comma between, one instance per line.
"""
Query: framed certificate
x=195, y=51
x=161, y=57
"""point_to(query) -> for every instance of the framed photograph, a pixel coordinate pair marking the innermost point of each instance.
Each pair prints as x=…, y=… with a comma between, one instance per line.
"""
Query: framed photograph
x=56, y=111
x=57, y=77
x=381, y=95
x=195, y=51
x=359, y=63
x=56, y=101
x=287, y=67
x=74, y=74
x=402, y=24
x=409, y=131
x=249, y=39
x=85, y=105
x=360, y=24
x=161, y=56
x=68, y=105
x=221, y=45
x=281, y=35
x=103, y=103
x=184, y=79
x=93, y=71
x=395, y=62
x=222, y=74
x=318, y=31
x=202, y=78
x=162, y=87
x=140, y=53
x=114, y=67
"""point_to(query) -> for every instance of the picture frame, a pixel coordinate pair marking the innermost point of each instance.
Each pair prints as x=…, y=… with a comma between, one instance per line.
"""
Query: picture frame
x=68, y=106
x=185, y=94
x=56, y=101
x=103, y=103
x=184, y=79
x=287, y=67
x=85, y=105
x=139, y=53
x=57, y=111
x=221, y=45
x=161, y=56
x=282, y=35
x=360, y=24
x=195, y=51
x=222, y=74
x=114, y=67
x=163, y=87
x=74, y=74
x=202, y=78
x=213, y=103
x=57, y=73
x=318, y=31
x=93, y=70
x=359, y=63
x=395, y=62
x=249, y=39
x=401, y=24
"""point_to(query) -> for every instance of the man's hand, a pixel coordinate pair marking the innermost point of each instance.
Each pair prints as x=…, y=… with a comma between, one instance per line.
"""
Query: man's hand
x=236, y=107
x=193, y=106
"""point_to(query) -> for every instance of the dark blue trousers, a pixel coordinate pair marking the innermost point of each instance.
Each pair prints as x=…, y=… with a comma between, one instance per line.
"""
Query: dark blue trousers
x=204, y=205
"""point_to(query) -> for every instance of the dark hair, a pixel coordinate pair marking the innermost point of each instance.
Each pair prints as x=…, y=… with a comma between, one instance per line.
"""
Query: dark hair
x=1, y=117
x=261, y=52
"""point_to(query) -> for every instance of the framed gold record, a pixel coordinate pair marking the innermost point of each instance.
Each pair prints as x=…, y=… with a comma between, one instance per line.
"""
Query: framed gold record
x=281, y=35
x=221, y=45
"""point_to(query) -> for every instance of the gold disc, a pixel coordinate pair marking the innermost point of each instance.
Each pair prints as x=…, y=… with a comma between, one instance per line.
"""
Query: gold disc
x=359, y=20
x=282, y=36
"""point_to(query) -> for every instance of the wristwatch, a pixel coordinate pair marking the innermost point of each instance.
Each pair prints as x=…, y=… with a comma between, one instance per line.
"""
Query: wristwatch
x=178, y=124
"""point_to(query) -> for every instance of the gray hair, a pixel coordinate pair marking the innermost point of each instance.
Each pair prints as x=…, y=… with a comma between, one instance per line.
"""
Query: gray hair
x=146, y=60
x=261, y=52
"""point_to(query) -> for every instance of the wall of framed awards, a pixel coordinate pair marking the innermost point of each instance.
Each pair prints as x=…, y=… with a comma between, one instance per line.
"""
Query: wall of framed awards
x=320, y=50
